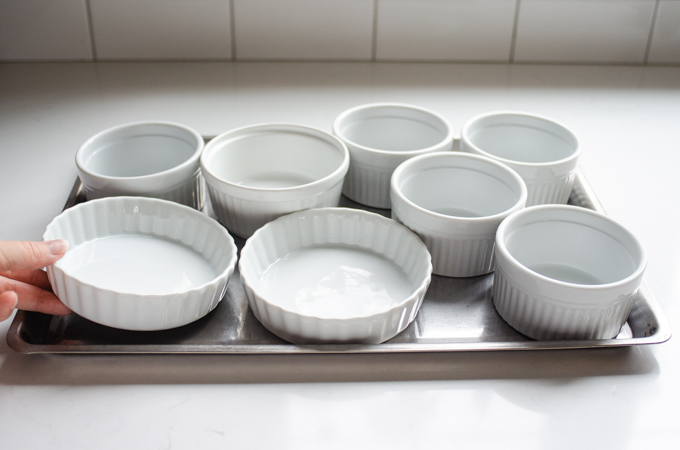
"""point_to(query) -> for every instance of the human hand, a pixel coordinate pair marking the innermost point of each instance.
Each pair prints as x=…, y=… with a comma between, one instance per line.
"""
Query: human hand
x=22, y=284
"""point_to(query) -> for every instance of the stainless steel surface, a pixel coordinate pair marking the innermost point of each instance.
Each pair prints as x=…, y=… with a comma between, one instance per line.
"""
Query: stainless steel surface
x=456, y=315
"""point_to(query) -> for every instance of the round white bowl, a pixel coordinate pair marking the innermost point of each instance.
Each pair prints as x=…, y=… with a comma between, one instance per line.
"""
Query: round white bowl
x=543, y=152
x=564, y=272
x=140, y=263
x=381, y=136
x=258, y=173
x=148, y=159
x=335, y=275
x=454, y=202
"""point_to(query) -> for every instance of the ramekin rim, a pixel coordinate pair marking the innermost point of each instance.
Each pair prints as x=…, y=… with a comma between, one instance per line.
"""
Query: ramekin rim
x=227, y=273
x=501, y=247
x=517, y=206
x=152, y=176
x=329, y=179
x=450, y=136
x=465, y=139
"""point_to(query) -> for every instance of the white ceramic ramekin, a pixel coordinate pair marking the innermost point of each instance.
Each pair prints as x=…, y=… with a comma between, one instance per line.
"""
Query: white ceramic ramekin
x=148, y=159
x=565, y=272
x=258, y=173
x=139, y=263
x=381, y=136
x=454, y=202
x=335, y=275
x=543, y=152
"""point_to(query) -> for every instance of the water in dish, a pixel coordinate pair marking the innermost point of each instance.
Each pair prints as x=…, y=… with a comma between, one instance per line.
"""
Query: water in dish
x=138, y=264
x=335, y=282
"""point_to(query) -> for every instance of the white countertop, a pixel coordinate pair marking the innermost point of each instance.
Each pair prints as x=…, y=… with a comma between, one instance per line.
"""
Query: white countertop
x=627, y=119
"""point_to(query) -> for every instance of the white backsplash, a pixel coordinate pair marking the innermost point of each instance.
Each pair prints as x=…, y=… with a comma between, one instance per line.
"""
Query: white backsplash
x=520, y=31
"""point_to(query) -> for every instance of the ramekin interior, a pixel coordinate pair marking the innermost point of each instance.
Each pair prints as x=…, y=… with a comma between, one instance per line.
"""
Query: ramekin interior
x=139, y=150
x=459, y=185
x=571, y=245
x=392, y=128
x=274, y=157
x=521, y=138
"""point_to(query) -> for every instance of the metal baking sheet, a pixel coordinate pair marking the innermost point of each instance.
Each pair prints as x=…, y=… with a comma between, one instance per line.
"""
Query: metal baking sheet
x=456, y=315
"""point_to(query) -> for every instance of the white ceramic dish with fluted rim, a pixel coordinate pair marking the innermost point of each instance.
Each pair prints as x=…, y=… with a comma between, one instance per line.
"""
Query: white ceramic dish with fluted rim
x=454, y=202
x=139, y=263
x=380, y=136
x=260, y=172
x=149, y=159
x=542, y=151
x=565, y=272
x=335, y=275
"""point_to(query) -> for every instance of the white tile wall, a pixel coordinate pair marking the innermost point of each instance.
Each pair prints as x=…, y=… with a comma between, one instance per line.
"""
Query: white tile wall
x=304, y=29
x=161, y=29
x=44, y=30
x=445, y=30
x=665, y=47
x=542, y=31
x=591, y=31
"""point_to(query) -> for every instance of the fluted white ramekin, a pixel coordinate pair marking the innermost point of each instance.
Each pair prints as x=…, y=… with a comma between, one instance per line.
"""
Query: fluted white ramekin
x=258, y=173
x=132, y=305
x=347, y=261
x=454, y=202
x=381, y=136
x=148, y=159
x=542, y=151
x=565, y=272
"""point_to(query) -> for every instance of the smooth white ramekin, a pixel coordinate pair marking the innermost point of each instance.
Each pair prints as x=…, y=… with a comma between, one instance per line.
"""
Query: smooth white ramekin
x=381, y=136
x=542, y=151
x=565, y=272
x=454, y=202
x=148, y=159
x=134, y=305
x=331, y=298
x=258, y=173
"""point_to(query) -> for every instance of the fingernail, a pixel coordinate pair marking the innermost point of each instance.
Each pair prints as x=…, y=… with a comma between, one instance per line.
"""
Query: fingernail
x=58, y=246
x=16, y=299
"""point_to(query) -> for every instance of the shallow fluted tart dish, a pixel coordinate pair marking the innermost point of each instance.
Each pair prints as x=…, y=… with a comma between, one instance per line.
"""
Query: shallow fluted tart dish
x=335, y=275
x=139, y=263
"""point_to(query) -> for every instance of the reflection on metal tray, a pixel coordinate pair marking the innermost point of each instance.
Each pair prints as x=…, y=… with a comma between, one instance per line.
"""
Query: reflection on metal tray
x=456, y=315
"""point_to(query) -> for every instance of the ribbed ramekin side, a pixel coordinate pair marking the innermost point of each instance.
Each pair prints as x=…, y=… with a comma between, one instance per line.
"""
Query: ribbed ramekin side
x=557, y=191
x=368, y=185
x=460, y=257
x=190, y=192
x=545, y=320
x=244, y=217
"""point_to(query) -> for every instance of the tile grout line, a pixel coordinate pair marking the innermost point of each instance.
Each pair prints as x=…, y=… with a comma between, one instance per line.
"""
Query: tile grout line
x=513, y=38
x=232, y=26
x=648, y=49
x=374, y=36
x=88, y=9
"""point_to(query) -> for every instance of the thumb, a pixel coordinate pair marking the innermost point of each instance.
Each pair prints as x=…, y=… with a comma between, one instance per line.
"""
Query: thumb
x=8, y=301
x=16, y=255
